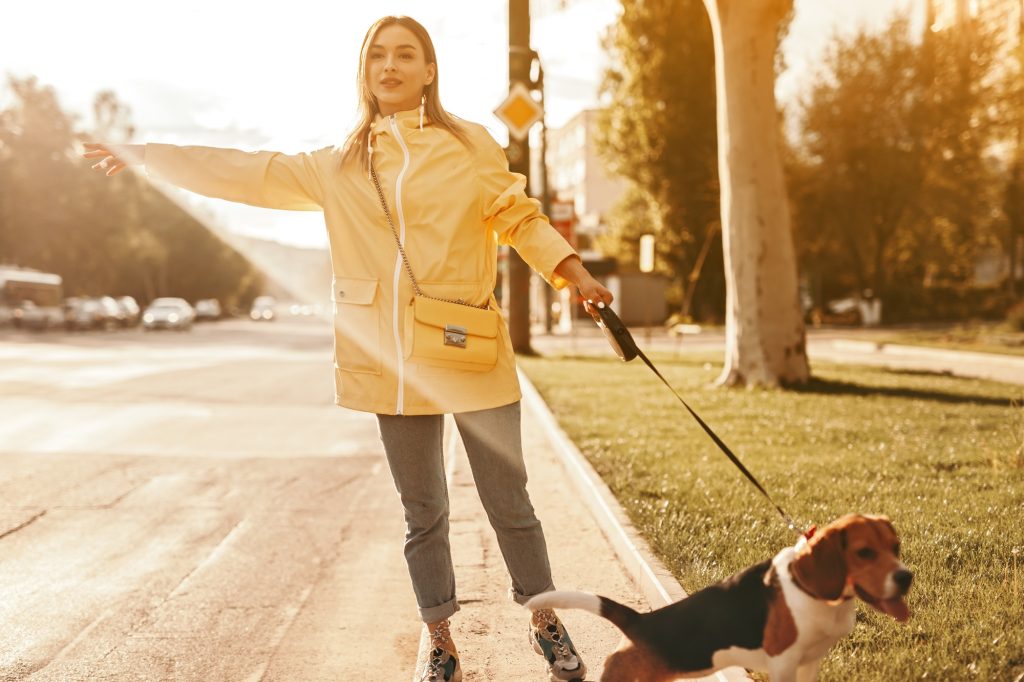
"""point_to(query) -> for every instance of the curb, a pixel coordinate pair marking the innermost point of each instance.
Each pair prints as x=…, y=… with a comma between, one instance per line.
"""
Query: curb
x=655, y=581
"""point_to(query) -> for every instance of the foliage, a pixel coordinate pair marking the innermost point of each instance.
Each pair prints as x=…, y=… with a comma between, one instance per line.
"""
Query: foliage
x=658, y=131
x=1015, y=317
x=103, y=235
x=893, y=178
x=939, y=455
x=947, y=302
x=1012, y=113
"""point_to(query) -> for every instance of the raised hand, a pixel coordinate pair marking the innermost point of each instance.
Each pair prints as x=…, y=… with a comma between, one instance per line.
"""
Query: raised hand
x=114, y=158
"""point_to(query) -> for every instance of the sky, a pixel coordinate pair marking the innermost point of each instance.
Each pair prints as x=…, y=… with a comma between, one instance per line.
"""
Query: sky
x=253, y=76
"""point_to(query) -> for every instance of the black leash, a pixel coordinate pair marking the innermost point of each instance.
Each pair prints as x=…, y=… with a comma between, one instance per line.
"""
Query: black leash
x=625, y=347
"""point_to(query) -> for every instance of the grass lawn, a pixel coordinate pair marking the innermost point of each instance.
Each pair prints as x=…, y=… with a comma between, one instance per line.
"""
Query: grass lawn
x=942, y=457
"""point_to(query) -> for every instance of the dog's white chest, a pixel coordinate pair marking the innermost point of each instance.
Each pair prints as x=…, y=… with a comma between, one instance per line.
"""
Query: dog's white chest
x=819, y=624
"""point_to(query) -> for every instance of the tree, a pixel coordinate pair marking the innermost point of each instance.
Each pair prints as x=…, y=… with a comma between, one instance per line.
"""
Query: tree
x=765, y=336
x=958, y=69
x=103, y=235
x=35, y=138
x=1013, y=193
x=862, y=123
x=657, y=131
x=893, y=180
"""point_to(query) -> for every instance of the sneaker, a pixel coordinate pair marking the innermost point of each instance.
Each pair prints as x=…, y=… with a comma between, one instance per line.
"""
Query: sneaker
x=551, y=641
x=442, y=663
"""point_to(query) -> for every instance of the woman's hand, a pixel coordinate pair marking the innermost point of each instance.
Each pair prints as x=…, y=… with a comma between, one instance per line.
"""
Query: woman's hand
x=593, y=291
x=590, y=289
x=114, y=157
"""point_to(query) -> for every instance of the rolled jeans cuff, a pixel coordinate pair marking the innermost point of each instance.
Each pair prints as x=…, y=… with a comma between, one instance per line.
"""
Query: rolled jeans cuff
x=435, y=614
x=521, y=599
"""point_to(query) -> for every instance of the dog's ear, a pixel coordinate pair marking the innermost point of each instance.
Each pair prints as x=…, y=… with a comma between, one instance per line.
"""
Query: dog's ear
x=820, y=566
x=880, y=518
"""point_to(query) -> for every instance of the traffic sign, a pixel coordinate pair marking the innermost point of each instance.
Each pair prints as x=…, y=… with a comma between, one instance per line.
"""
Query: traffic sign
x=563, y=218
x=519, y=111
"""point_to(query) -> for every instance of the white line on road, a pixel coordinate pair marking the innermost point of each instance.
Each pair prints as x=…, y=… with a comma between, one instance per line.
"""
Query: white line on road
x=291, y=613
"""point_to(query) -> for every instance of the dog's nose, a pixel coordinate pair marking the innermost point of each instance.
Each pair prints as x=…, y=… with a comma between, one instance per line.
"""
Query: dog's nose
x=903, y=578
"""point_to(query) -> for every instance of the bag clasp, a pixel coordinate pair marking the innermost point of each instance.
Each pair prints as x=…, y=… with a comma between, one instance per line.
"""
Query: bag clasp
x=454, y=336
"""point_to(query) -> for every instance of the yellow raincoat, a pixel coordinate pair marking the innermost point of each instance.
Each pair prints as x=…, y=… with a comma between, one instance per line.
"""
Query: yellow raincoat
x=452, y=205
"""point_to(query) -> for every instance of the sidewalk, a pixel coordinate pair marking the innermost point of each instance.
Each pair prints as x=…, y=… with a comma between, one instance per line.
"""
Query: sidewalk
x=967, y=364
x=591, y=545
x=833, y=345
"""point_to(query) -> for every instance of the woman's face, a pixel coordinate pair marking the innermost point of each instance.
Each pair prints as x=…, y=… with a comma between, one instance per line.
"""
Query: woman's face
x=396, y=69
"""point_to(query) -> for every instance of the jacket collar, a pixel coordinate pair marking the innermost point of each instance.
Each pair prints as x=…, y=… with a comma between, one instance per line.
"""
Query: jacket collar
x=406, y=120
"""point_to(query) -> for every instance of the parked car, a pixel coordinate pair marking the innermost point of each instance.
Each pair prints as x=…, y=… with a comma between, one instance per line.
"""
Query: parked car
x=27, y=315
x=208, y=309
x=168, y=313
x=131, y=314
x=83, y=313
x=69, y=308
x=113, y=315
x=263, y=308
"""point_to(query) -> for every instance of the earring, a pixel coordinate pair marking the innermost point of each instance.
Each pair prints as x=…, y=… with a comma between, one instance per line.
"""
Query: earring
x=423, y=103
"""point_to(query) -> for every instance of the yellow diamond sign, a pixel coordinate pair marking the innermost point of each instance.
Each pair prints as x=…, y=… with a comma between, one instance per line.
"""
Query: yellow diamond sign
x=519, y=111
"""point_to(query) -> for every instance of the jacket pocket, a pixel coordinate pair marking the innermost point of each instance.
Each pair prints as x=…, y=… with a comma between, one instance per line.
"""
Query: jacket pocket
x=356, y=325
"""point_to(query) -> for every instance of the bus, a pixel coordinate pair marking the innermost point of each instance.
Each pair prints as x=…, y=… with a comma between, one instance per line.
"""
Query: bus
x=31, y=299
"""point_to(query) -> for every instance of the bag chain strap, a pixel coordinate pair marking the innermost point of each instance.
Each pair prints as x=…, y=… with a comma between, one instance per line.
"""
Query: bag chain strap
x=405, y=259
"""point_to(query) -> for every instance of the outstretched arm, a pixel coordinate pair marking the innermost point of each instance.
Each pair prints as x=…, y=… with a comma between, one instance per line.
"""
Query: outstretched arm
x=263, y=178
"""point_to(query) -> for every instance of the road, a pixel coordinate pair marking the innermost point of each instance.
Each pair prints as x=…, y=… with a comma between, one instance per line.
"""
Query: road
x=193, y=506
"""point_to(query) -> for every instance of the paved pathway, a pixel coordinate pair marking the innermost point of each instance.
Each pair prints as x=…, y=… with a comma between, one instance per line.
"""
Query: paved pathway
x=842, y=346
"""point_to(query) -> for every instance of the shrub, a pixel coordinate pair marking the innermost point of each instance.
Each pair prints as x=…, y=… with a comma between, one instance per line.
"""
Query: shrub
x=1015, y=317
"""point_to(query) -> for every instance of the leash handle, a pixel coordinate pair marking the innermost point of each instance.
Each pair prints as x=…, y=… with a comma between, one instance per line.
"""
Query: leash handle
x=625, y=347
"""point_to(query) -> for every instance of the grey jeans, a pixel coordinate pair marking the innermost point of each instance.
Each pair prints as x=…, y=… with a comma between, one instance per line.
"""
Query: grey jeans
x=415, y=453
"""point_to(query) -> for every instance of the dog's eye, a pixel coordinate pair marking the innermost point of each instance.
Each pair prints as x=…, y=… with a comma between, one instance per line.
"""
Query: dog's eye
x=867, y=554
x=896, y=549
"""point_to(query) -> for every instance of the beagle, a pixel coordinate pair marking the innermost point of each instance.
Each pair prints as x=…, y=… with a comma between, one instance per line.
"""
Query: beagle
x=780, y=616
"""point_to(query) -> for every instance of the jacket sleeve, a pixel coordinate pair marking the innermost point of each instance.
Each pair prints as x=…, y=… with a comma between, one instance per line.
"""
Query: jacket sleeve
x=265, y=179
x=517, y=219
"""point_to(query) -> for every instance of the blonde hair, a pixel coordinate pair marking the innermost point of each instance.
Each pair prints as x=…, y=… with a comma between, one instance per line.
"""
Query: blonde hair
x=355, y=144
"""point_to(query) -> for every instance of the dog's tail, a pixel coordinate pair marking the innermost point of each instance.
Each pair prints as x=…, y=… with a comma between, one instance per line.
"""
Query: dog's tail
x=620, y=615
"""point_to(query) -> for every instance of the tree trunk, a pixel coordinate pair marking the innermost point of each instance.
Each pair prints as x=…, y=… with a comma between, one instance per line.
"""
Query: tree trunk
x=765, y=337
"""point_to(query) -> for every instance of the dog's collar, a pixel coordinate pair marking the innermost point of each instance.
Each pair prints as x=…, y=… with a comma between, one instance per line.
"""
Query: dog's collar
x=844, y=597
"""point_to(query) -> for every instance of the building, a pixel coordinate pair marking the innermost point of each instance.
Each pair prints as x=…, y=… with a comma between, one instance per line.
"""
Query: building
x=577, y=174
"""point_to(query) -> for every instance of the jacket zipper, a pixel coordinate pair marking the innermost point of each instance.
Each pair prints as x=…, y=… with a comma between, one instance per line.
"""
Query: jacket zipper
x=398, y=267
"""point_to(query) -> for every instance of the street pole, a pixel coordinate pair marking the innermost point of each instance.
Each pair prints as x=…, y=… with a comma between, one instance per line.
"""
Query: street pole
x=520, y=59
x=546, y=196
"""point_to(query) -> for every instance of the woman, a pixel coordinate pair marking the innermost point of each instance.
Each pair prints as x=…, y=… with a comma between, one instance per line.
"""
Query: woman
x=449, y=200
